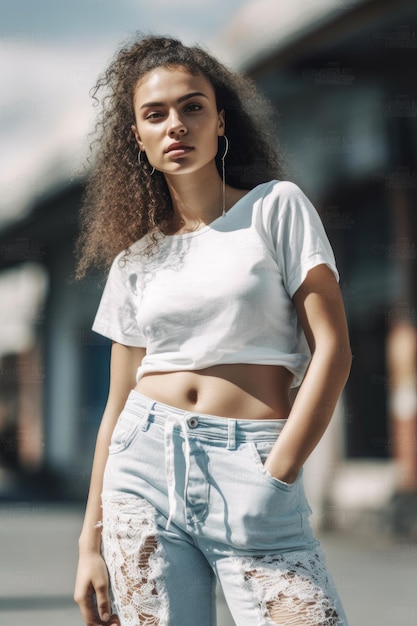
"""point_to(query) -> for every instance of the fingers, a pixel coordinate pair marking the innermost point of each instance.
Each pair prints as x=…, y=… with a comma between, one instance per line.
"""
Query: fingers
x=88, y=610
x=103, y=602
x=95, y=608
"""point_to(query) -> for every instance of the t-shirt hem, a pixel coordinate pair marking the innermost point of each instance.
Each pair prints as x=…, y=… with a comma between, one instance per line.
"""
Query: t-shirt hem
x=117, y=337
x=296, y=371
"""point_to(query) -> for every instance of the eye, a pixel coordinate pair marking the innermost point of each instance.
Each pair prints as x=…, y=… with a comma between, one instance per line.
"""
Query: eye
x=153, y=115
x=192, y=107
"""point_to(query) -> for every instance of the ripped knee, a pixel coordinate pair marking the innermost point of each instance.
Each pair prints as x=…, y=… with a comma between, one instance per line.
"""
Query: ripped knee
x=133, y=557
x=291, y=589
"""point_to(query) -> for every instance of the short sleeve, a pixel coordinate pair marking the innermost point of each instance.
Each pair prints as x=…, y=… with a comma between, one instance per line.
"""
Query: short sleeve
x=301, y=242
x=116, y=314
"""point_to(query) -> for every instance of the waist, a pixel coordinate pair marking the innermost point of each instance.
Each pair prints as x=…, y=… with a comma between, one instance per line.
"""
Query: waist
x=238, y=391
x=202, y=425
x=170, y=422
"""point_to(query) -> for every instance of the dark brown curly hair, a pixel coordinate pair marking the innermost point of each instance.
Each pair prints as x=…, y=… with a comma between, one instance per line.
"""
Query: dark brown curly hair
x=122, y=201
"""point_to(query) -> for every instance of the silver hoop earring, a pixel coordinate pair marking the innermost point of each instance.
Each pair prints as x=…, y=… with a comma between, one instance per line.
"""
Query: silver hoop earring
x=226, y=149
x=140, y=162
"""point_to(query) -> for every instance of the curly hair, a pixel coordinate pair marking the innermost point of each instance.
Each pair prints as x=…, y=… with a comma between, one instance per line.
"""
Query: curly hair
x=122, y=202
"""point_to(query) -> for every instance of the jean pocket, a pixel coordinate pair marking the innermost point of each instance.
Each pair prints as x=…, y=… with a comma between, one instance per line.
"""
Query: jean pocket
x=259, y=451
x=124, y=431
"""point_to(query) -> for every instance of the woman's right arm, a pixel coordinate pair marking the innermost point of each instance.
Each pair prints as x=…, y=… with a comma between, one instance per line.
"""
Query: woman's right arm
x=92, y=579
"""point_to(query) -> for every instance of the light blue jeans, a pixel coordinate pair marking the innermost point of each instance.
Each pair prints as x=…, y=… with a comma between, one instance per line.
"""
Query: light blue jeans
x=187, y=500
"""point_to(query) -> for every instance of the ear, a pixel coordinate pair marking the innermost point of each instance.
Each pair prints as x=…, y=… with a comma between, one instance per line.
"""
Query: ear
x=221, y=125
x=136, y=134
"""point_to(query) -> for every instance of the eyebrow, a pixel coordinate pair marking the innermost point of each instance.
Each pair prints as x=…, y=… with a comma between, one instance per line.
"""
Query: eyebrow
x=182, y=99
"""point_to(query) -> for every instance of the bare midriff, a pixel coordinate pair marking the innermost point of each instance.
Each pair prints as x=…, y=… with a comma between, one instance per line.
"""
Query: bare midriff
x=238, y=391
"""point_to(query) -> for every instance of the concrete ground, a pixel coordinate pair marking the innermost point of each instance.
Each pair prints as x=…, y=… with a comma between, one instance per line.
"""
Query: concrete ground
x=376, y=576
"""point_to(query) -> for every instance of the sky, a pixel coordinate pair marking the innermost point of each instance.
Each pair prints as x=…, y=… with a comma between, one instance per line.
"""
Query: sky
x=51, y=52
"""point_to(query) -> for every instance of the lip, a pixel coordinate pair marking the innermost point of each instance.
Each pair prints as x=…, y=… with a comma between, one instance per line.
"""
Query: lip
x=178, y=146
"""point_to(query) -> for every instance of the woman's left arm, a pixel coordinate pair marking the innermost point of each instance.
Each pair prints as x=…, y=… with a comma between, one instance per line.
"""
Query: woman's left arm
x=319, y=306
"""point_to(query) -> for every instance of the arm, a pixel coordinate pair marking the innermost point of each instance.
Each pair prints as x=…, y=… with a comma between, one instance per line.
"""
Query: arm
x=319, y=306
x=92, y=576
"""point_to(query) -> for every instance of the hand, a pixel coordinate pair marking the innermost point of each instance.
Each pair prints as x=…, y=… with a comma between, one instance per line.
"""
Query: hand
x=92, y=591
x=285, y=475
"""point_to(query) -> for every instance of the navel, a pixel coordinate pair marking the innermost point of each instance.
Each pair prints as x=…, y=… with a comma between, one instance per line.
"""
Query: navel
x=192, y=395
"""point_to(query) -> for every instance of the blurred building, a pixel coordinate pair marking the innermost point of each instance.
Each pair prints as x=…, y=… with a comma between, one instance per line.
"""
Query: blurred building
x=54, y=371
x=341, y=76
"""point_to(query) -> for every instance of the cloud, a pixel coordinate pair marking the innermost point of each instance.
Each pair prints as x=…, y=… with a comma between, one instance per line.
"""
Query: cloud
x=45, y=116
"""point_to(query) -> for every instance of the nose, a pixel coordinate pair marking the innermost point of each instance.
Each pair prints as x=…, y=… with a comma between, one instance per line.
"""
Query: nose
x=176, y=125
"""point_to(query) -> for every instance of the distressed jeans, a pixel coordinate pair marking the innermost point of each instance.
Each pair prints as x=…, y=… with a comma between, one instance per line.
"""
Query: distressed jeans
x=187, y=501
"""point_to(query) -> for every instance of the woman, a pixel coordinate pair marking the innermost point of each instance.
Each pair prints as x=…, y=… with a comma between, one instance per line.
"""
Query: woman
x=221, y=276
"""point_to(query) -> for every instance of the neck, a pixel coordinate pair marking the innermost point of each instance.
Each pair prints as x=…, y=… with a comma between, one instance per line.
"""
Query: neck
x=196, y=199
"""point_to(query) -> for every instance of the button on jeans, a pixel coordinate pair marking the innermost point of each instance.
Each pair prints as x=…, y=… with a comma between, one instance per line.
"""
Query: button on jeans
x=187, y=501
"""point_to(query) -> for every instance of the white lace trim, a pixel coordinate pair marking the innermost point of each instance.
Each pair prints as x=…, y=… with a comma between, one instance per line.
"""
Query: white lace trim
x=292, y=589
x=133, y=558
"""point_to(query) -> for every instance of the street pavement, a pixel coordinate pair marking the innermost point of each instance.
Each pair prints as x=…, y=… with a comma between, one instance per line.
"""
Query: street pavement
x=375, y=575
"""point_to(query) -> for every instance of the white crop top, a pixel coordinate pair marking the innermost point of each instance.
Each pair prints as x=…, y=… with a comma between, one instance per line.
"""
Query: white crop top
x=221, y=294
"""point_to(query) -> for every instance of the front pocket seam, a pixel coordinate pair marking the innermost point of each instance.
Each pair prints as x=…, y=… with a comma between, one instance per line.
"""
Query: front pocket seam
x=116, y=448
x=279, y=484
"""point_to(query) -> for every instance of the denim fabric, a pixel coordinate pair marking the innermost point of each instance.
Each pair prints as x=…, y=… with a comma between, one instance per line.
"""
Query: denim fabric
x=186, y=500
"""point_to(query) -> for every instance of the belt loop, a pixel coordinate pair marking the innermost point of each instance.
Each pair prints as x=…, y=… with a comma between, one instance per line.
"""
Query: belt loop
x=231, y=434
x=145, y=422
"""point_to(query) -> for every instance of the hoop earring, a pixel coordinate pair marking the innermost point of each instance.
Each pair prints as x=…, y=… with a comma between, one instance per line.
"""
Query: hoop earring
x=226, y=149
x=140, y=162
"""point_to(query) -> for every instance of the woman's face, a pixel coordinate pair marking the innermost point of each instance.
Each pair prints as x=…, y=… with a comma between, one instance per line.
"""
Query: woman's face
x=177, y=122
